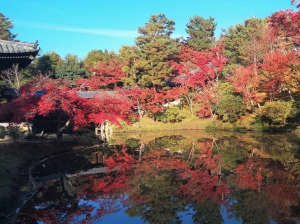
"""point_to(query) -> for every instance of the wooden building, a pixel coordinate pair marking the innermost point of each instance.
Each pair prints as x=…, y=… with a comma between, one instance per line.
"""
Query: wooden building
x=20, y=53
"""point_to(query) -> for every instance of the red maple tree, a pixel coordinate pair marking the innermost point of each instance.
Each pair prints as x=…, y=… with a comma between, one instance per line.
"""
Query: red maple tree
x=286, y=25
x=279, y=72
x=103, y=75
x=196, y=75
x=151, y=100
x=60, y=99
x=246, y=81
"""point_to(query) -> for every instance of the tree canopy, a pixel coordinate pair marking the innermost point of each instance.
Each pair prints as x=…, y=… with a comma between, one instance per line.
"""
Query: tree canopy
x=71, y=68
x=6, y=26
x=258, y=60
x=201, y=33
x=156, y=48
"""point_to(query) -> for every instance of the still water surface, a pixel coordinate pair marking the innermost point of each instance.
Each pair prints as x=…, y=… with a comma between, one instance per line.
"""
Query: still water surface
x=178, y=177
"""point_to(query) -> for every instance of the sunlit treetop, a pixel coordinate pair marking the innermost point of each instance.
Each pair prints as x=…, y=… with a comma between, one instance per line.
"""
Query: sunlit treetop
x=5, y=28
x=201, y=33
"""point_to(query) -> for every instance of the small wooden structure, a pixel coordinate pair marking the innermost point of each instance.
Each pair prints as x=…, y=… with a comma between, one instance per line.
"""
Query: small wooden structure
x=104, y=131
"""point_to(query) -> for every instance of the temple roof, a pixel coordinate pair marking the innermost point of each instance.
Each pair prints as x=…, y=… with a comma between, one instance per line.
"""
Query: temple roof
x=21, y=53
x=12, y=47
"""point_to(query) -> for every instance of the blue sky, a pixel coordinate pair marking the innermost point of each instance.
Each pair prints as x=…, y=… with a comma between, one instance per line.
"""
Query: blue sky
x=79, y=26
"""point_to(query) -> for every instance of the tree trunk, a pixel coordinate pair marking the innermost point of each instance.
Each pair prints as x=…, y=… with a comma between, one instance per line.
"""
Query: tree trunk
x=140, y=112
x=189, y=101
x=59, y=133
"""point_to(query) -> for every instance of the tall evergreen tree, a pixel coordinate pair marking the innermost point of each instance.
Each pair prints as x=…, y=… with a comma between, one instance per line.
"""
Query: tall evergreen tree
x=157, y=48
x=5, y=28
x=130, y=56
x=201, y=33
x=247, y=43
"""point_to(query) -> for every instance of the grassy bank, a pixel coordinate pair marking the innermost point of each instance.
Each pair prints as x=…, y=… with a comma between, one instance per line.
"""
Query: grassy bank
x=192, y=123
x=249, y=122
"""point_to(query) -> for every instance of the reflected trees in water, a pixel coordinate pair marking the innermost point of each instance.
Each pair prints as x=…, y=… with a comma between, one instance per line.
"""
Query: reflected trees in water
x=198, y=178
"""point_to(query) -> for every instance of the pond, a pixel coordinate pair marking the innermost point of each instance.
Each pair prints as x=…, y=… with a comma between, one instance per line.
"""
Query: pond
x=178, y=177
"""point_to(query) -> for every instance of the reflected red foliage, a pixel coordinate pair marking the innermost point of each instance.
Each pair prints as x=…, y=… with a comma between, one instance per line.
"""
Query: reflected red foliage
x=157, y=161
x=282, y=189
x=204, y=180
x=198, y=179
x=248, y=175
x=120, y=160
x=202, y=186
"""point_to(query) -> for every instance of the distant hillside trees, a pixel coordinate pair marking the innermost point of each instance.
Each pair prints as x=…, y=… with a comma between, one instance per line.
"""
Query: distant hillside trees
x=94, y=56
x=71, y=68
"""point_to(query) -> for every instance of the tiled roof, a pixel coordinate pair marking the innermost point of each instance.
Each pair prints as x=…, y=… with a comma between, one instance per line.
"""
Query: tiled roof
x=84, y=94
x=39, y=93
x=12, y=47
x=87, y=94
x=20, y=53
x=92, y=94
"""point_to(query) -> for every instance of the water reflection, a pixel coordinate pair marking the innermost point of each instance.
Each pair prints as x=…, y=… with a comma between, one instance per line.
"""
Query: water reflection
x=173, y=178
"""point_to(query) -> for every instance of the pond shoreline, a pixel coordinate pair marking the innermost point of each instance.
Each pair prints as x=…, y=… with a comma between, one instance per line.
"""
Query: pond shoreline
x=244, y=124
x=257, y=167
x=37, y=152
x=29, y=153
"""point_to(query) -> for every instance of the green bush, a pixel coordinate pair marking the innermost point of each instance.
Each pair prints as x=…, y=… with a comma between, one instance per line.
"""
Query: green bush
x=14, y=131
x=133, y=143
x=171, y=114
x=276, y=112
x=231, y=107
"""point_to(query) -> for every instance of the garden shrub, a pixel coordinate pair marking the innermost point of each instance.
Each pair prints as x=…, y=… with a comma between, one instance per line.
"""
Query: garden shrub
x=171, y=114
x=231, y=108
x=276, y=112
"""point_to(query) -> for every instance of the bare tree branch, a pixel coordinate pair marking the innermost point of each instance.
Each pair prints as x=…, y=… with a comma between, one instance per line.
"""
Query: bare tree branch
x=12, y=76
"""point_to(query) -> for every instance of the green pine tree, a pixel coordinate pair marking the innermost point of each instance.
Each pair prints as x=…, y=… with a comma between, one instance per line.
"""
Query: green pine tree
x=156, y=49
x=201, y=33
x=5, y=28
